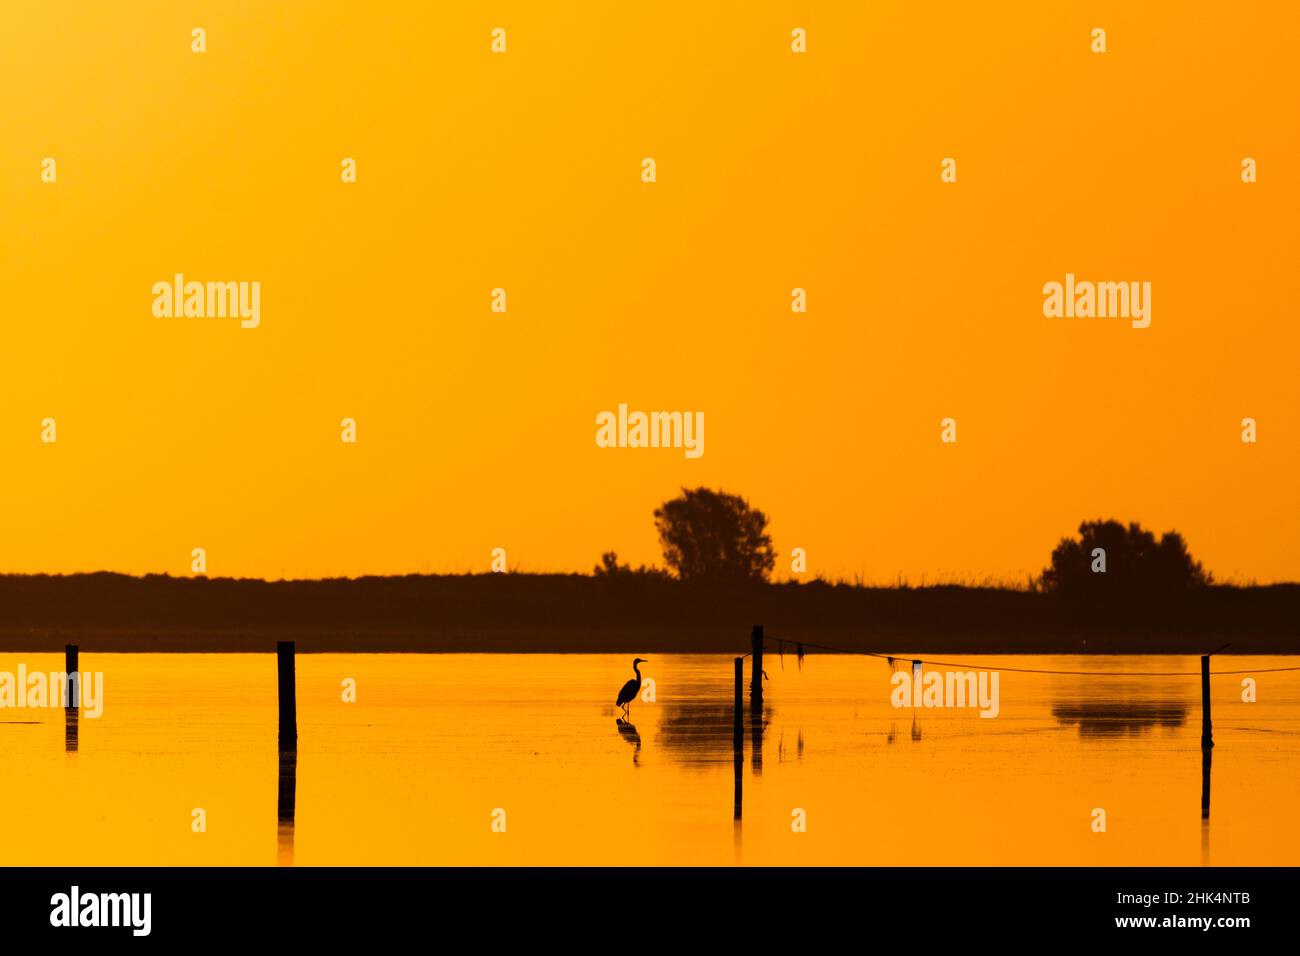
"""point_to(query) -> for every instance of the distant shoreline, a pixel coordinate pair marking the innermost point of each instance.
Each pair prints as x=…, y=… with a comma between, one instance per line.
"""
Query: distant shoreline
x=636, y=614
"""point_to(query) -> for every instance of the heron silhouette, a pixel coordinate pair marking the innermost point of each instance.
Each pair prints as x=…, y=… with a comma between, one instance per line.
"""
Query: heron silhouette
x=632, y=687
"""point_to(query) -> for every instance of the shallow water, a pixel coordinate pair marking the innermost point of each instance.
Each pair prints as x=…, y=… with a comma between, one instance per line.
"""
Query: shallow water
x=414, y=770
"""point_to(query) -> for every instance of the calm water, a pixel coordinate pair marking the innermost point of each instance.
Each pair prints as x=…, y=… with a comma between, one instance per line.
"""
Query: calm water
x=412, y=772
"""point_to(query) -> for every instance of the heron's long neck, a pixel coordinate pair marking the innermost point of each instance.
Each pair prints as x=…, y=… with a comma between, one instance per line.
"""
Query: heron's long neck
x=636, y=669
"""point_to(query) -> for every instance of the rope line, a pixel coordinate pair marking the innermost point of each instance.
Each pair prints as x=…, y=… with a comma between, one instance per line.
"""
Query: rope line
x=1020, y=670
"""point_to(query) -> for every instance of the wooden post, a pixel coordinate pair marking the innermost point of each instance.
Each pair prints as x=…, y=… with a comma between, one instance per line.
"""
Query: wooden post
x=756, y=701
x=284, y=651
x=738, y=737
x=739, y=729
x=72, y=676
x=1207, y=732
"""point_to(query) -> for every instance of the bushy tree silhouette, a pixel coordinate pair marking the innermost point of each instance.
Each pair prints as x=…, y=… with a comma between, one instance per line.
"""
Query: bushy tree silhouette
x=1136, y=563
x=714, y=536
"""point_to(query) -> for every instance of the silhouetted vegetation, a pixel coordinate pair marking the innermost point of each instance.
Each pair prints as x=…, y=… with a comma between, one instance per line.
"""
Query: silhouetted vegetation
x=714, y=536
x=610, y=569
x=1153, y=597
x=638, y=615
x=1110, y=561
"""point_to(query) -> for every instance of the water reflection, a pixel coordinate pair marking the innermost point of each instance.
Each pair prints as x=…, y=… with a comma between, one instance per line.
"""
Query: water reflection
x=1207, y=757
x=469, y=727
x=70, y=719
x=701, y=730
x=1115, y=718
x=627, y=730
x=285, y=806
x=738, y=775
x=697, y=730
x=781, y=751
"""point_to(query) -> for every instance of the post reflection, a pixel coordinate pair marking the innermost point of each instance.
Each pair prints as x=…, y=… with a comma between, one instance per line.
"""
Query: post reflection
x=285, y=806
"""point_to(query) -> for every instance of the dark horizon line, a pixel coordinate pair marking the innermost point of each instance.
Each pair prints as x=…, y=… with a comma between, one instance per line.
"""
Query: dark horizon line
x=655, y=575
x=518, y=612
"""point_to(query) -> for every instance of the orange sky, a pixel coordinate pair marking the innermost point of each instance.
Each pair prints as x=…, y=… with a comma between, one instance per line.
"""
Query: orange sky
x=522, y=170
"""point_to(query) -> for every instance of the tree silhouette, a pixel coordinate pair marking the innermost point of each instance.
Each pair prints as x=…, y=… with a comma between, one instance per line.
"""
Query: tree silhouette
x=1136, y=563
x=715, y=536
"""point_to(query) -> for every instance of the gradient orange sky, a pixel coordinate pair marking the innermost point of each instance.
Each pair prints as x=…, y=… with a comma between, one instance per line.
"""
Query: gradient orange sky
x=522, y=170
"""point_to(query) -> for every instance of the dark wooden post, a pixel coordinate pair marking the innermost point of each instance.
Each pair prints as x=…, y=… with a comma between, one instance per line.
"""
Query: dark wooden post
x=72, y=679
x=740, y=698
x=72, y=676
x=284, y=651
x=756, y=701
x=738, y=735
x=1207, y=732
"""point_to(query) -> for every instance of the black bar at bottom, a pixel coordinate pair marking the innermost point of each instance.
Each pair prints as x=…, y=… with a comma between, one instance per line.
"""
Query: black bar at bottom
x=977, y=906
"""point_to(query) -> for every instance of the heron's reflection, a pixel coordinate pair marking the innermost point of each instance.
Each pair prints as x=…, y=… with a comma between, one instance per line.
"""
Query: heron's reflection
x=627, y=730
x=285, y=806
